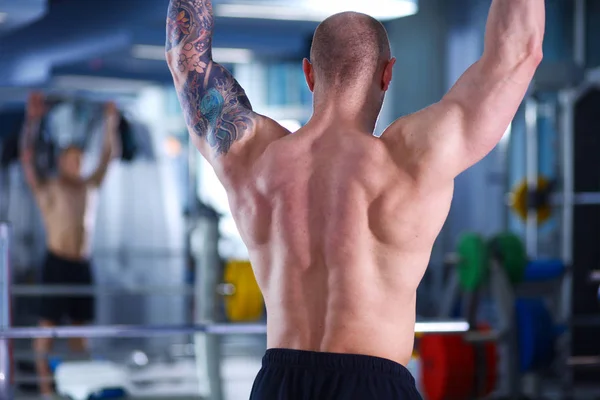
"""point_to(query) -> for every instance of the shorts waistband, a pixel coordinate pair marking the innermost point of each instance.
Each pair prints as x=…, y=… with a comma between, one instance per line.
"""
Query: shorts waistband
x=50, y=256
x=339, y=362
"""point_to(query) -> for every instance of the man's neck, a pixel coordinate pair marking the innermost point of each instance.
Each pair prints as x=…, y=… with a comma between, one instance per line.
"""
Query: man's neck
x=344, y=111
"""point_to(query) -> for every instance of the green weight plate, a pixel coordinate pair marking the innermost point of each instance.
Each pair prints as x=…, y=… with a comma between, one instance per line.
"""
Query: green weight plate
x=509, y=250
x=473, y=264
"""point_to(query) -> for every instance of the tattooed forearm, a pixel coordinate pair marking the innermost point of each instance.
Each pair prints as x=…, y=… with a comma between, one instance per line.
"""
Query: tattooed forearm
x=215, y=106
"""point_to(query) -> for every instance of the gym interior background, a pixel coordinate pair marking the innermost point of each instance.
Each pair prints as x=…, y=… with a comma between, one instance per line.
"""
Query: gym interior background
x=518, y=258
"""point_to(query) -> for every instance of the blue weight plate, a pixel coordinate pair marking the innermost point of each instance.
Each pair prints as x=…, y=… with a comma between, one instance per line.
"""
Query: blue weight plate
x=536, y=334
x=526, y=332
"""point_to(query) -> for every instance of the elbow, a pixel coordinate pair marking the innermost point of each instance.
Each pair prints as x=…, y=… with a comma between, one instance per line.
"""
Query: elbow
x=172, y=57
x=509, y=56
x=537, y=57
x=535, y=52
x=179, y=76
x=170, y=61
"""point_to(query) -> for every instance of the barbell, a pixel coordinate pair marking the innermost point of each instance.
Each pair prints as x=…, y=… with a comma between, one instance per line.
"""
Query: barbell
x=124, y=331
x=243, y=301
x=47, y=144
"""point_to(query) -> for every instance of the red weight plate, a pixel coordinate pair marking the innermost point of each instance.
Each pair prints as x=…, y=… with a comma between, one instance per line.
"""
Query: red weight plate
x=491, y=359
x=447, y=367
x=464, y=370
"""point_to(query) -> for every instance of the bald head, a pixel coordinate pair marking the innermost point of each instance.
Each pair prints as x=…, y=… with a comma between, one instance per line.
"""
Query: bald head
x=348, y=49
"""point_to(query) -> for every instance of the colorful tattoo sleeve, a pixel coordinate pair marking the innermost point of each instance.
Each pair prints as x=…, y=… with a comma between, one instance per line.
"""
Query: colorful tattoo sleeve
x=215, y=106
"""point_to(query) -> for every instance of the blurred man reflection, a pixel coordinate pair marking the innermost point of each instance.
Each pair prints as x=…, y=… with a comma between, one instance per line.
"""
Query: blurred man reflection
x=68, y=207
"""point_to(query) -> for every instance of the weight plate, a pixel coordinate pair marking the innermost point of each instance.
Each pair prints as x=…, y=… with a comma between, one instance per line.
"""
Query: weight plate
x=544, y=270
x=447, y=367
x=536, y=334
x=509, y=251
x=473, y=264
x=491, y=364
x=519, y=201
x=246, y=303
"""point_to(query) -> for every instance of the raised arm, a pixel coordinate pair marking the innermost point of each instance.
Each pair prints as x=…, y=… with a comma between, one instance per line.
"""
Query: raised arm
x=110, y=146
x=470, y=120
x=218, y=114
x=36, y=109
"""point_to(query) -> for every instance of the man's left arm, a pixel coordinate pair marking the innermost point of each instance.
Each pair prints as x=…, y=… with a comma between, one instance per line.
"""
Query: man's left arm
x=219, y=116
x=110, y=147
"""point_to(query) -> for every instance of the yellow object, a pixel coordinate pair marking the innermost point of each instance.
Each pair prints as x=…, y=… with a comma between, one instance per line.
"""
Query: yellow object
x=246, y=303
x=418, y=335
x=519, y=201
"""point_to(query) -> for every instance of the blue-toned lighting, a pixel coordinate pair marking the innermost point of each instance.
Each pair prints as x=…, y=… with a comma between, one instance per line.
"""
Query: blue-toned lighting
x=316, y=10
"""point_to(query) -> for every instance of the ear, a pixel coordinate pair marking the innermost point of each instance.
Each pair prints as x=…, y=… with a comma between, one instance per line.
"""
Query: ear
x=309, y=74
x=387, y=74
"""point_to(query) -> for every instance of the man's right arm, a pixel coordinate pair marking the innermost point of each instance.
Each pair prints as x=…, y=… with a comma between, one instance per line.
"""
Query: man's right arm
x=31, y=128
x=470, y=120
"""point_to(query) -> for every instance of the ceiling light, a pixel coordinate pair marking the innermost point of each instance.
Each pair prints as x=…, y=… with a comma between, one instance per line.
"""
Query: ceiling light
x=3, y=17
x=381, y=9
x=220, y=55
x=318, y=10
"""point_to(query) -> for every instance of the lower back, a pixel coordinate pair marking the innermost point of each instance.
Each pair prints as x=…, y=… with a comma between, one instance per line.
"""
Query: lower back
x=357, y=308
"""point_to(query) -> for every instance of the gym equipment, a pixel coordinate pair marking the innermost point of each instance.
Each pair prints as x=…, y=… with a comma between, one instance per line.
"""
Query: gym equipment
x=243, y=298
x=473, y=261
x=509, y=251
x=523, y=199
x=544, y=270
x=45, y=151
x=143, y=141
x=491, y=370
x=83, y=117
x=92, y=379
x=12, y=123
x=128, y=143
x=6, y=352
x=486, y=357
x=536, y=334
x=156, y=331
x=130, y=331
x=449, y=368
x=177, y=378
x=44, y=146
x=10, y=149
x=460, y=366
x=583, y=228
x=54, y=362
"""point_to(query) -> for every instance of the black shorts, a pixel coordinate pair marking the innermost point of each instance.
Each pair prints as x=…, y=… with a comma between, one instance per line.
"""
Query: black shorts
x=59, y=271
x=304, y=375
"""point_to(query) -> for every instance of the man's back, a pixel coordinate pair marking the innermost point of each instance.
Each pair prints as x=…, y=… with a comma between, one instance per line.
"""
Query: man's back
x=343, y=241
x=339, y=224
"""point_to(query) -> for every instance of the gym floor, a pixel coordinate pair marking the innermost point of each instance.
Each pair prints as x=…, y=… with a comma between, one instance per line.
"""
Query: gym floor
x=242, y=356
